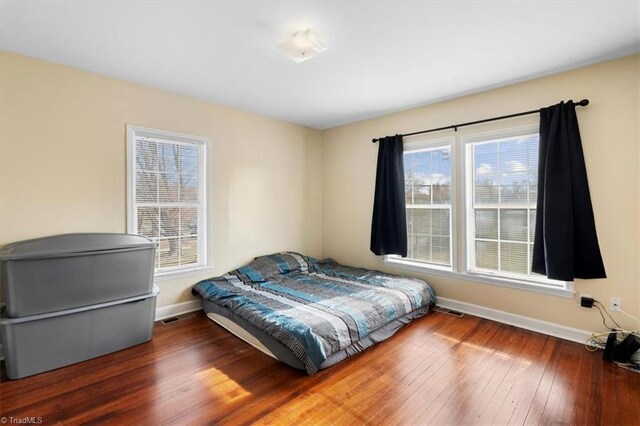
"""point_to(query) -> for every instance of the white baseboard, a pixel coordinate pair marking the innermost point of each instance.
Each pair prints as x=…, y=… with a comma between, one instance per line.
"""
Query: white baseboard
x=164, y=312
x=544, y=327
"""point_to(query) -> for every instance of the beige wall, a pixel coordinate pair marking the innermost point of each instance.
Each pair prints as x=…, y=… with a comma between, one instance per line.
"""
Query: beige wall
x=62, y=165
x=278, y=186
x=610, y=133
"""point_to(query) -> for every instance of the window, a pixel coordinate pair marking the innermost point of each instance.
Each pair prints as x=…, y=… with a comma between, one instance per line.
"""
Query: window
x=490, y=182
x=167, y=197
x=428, y=201
x=502, y=178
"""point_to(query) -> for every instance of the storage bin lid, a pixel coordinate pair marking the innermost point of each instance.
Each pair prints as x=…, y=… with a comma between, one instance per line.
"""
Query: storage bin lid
x=68, y=244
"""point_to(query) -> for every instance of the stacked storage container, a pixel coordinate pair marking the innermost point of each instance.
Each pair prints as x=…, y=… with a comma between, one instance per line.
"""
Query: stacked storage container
x=69, y=298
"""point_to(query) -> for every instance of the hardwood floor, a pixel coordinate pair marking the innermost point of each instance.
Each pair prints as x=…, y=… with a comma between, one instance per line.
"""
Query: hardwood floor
x=438, y=370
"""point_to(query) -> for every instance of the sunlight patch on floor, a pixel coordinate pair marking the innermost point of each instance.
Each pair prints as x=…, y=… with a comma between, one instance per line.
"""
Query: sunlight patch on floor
x=222, y=386
x=499, y=354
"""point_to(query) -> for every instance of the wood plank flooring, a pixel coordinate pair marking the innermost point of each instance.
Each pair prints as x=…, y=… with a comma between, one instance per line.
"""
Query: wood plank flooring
x=438, y=370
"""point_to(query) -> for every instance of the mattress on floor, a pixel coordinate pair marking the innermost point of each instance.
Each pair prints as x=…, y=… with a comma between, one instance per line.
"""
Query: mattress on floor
x=312, y=313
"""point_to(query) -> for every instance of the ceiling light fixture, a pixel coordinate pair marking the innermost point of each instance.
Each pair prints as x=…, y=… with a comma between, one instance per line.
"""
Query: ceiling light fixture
x=303, y=46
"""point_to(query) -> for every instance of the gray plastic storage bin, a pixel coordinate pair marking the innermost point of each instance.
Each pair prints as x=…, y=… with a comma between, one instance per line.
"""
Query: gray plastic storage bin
x=67, y=271
x=44, y=342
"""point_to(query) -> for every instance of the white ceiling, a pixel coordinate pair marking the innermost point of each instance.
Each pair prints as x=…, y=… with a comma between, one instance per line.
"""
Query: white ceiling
x=382, y=57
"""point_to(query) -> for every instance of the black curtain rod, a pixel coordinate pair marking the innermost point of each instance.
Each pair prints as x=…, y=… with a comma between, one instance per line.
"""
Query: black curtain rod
x=582, y=103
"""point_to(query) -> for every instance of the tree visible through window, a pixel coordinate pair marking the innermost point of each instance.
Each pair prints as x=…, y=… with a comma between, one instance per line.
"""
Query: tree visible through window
x=169, y=199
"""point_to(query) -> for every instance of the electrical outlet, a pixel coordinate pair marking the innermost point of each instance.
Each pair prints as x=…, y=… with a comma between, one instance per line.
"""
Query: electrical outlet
x=615, y=304
x=585, y=300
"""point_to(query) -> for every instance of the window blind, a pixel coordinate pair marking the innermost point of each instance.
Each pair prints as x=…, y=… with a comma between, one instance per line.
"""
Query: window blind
x=428, y=202
x=168, y=205
x=503, y=205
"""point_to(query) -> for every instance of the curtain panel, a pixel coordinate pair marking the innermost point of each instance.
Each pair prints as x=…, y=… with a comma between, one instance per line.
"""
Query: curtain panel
x=389, y=224
x=565, y=243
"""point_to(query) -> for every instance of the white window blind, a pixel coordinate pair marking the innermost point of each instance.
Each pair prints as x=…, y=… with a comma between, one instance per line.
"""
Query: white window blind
x=168, y=202
x=502, y=206
x=428, y=202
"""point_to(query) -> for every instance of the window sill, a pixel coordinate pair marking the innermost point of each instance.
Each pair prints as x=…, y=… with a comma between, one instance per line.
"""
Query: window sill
x=479, y=278
x=174, y=275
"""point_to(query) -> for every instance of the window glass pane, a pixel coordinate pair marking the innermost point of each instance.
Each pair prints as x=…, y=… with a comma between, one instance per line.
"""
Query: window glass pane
x=188, y=159
x=188, y=187
x=533, y=147
x=169, y=252
x=487, y=223
x=410, y=220
x=420, y=177
x=422, y=248
x=422, y=221
x=421, y=194
x=148, y=220
x=513, y=225
x=487, y=255
x=440, y=222
x=188, y=174
x=422, y=165
x=532, y=222
x=486, y=194
x=408, y=166
x=440, y=250
x=168, y=157
x=485, y=173
x=146, y=155
x=188, y=250
x=169, y=221
x=410, y=245
x=514, y=258
x=440, y=177
x=441, y=194
x=514, y=170
x=168, y=187
x=188, y=221
x=516, y=193
x=146, y=187
x=533, y=190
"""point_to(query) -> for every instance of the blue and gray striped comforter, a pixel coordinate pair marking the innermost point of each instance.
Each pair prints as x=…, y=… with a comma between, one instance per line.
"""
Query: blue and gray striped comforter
x=314, y=307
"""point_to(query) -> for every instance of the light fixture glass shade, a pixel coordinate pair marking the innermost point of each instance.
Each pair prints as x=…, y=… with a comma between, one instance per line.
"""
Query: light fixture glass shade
x=302, y=46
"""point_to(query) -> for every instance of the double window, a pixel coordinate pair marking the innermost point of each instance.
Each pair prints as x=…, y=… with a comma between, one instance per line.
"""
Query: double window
x=167, y=196
x=471, y=208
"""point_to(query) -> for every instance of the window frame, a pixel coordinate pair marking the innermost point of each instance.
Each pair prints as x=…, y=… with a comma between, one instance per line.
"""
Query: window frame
x=204, y=235
x=460, y=190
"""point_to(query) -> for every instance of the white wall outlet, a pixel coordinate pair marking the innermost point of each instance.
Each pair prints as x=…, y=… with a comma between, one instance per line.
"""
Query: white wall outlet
x=615, y=304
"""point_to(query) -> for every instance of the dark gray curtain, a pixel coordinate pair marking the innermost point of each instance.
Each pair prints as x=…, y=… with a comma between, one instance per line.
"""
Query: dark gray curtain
x=565, y=244
x=389, y=225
